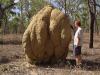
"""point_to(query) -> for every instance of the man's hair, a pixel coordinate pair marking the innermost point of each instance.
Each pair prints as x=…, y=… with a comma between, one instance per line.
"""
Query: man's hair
x=78, y=23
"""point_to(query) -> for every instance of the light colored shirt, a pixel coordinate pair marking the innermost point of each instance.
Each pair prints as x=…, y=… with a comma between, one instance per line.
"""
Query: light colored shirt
x=78, y=35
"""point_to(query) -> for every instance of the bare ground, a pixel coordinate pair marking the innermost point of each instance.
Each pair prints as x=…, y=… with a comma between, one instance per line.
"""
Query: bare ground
x=12, y=59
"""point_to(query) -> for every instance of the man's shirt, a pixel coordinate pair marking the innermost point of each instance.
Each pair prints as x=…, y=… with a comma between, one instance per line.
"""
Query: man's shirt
x=78, y=36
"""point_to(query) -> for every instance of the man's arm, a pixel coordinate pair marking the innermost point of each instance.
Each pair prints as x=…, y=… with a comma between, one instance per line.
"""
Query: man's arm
x=79, y=37
x=78, y=40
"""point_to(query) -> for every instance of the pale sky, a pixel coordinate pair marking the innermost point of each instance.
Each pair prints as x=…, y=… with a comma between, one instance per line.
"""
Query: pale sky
x=16, y=1
x=16, y=9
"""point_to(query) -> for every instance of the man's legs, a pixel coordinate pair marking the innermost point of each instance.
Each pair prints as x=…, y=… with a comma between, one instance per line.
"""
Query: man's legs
x=77, y=53
x=78, y=60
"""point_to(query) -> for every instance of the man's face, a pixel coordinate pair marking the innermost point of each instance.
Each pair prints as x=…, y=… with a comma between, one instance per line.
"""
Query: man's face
x=76, y=25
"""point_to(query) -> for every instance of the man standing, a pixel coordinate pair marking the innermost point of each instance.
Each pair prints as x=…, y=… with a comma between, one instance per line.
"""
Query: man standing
x=78, y=43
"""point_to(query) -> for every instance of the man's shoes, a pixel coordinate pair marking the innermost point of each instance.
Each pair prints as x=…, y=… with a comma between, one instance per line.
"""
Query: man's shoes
x=79, y=66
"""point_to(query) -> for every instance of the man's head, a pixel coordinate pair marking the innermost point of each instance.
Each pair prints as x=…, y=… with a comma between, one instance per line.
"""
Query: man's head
x=77, y=23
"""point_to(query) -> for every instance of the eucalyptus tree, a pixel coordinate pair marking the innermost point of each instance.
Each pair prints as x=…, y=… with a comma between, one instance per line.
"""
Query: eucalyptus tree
x=28, y=8
x=5, y=10
x=77, y=9
x=97, y=25
x=23, y=10
x=92, y=10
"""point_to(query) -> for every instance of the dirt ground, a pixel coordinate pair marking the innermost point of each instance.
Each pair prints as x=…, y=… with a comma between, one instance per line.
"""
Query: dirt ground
x=12, y=59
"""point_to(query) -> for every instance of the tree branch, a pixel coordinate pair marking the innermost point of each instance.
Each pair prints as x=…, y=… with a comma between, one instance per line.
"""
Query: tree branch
x=9, y=6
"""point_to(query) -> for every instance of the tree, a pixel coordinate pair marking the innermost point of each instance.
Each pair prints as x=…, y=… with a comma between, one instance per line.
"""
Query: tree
x=5, y=8
x=97, y=17
x=76, y=9
x=92, y=10
x=28, y=8
x=9, y=18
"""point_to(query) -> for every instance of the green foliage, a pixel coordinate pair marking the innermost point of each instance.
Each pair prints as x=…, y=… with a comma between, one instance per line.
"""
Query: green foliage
x=77, y=9
x=13, y=25
x=36, y=5
x=15, y=22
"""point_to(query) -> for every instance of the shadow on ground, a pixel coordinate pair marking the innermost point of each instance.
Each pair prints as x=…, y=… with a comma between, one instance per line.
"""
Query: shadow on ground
x=16, y=42
x=4, y=60
x=70, y=64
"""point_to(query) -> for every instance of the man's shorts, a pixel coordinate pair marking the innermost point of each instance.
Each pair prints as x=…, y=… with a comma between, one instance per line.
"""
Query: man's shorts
x=77, y=50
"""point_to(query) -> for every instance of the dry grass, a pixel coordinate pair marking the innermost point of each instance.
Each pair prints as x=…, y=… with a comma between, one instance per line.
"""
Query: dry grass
x=12, y=60
x=10, y=39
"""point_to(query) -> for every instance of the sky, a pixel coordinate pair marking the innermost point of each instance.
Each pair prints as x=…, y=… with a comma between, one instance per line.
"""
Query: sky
x=54, y=4
x=16, y=1
x=16, y=9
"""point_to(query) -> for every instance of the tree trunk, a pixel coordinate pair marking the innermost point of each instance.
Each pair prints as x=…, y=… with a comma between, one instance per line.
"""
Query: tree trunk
x=1, y=15
x=21, y=27
x=92, y=10
x=97, y=28
x=91, y=30
x=65, y=6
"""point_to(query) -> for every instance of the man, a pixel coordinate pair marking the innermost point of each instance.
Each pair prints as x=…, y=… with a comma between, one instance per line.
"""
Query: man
x=78, y=43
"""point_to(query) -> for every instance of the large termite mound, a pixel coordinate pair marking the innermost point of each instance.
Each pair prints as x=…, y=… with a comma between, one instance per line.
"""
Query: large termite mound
x=48, y=36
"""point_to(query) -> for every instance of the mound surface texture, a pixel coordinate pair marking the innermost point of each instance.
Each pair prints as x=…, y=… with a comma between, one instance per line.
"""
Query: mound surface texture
x=48, y=36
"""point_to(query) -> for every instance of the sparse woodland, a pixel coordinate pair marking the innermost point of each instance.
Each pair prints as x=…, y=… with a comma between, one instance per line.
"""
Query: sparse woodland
x=15, y=16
